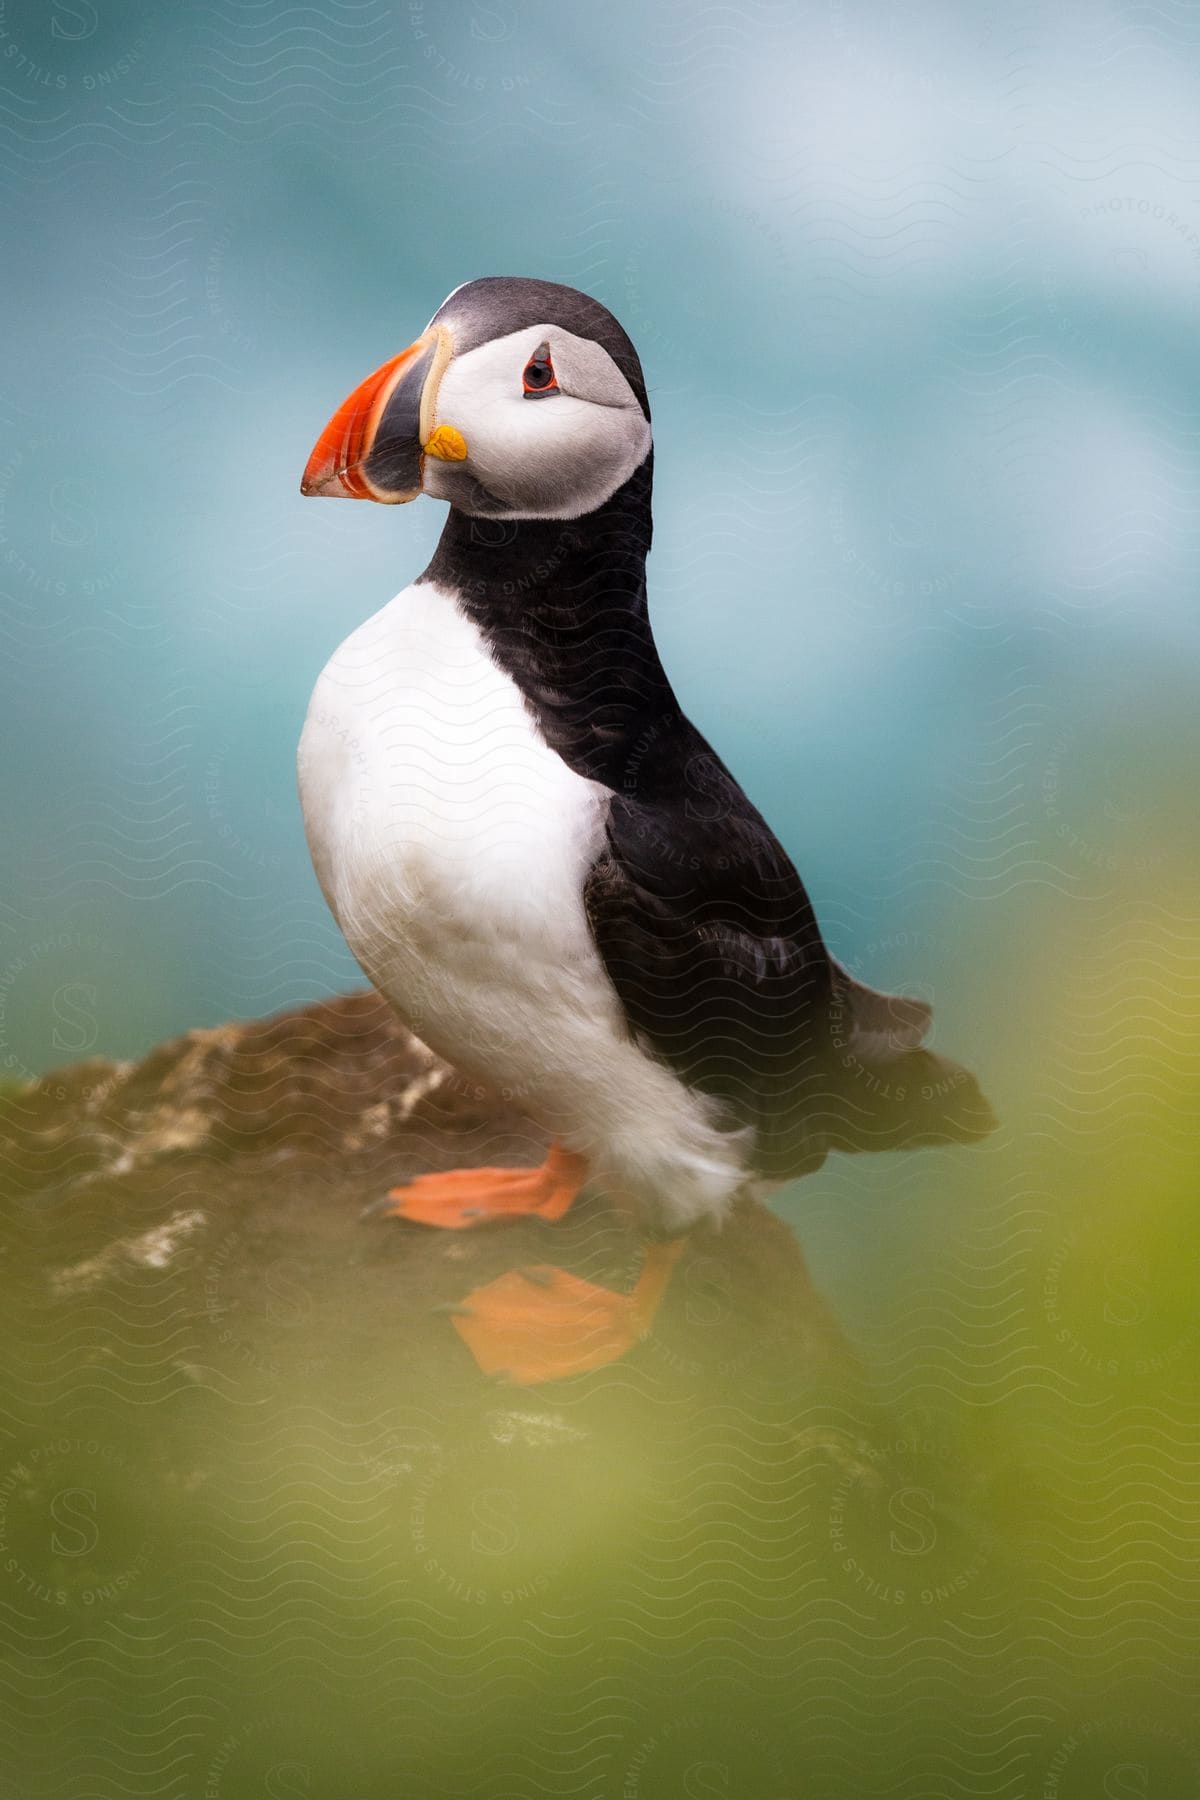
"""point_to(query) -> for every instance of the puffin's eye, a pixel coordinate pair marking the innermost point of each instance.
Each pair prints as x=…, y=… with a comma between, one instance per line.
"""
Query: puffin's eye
x=539, y=378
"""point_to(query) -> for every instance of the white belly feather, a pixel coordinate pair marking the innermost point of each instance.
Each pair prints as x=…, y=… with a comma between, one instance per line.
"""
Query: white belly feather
x=452, y=845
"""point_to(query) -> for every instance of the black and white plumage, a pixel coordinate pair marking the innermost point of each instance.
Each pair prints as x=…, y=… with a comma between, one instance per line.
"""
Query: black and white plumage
x=531, y=851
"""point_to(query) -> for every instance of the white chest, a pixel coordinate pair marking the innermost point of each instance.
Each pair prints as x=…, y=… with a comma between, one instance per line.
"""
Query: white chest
x=452, y=845
x=451, y=842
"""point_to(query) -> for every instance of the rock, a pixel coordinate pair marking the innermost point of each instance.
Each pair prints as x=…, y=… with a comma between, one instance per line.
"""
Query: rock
x=241, y=1425
x=238, y=1163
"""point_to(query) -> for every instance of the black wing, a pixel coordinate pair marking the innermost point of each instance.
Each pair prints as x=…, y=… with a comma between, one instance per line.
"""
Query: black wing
x=712, y=945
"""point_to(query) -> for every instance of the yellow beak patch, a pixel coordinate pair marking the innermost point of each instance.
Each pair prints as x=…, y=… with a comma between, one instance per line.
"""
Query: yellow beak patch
x=447, y=445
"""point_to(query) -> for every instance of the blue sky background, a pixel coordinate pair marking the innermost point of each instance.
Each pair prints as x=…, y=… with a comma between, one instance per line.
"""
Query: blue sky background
x=917, y=292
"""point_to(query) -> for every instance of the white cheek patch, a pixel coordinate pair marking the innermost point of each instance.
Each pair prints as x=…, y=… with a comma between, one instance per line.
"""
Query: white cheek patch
x=555, y=456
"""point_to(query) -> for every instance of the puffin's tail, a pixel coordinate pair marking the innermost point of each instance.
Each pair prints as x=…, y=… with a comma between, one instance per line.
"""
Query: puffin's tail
x=890, y=1093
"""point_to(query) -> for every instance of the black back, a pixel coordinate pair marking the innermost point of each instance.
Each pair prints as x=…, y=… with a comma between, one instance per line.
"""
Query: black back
x=699, y=916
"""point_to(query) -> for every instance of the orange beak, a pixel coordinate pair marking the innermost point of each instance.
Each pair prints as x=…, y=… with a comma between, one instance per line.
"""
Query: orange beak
x=374, y=446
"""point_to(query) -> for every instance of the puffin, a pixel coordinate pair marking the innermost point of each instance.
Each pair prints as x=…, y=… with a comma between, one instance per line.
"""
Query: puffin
x=542, y=865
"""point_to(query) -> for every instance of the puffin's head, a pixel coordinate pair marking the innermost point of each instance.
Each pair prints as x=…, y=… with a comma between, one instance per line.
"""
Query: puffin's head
x=520, y=399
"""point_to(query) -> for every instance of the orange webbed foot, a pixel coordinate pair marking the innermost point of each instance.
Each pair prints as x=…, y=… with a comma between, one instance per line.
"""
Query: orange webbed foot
x=542, y=1323
x=460, y=1199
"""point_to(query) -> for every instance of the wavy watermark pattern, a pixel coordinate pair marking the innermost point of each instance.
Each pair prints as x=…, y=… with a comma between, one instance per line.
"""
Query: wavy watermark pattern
x=915, y=289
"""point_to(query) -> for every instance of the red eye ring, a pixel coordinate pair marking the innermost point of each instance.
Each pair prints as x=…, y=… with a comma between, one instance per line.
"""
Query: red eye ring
x=539, y=378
